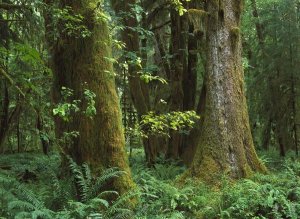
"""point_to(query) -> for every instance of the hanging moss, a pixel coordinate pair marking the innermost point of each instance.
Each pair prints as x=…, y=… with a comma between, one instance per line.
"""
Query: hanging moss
x=198, y=17
x=197, y=12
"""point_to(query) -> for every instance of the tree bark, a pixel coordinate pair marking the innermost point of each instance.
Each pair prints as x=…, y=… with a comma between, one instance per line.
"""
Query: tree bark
x=80, y=63
x=194, y=137
x=13, y=117
x=226, y=145
x=4, y=116
x=258, y=25
x=178, y=49
x=138, y=89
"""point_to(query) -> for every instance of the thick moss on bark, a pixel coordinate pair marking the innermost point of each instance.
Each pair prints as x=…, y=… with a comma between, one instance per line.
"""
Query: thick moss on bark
x=226, y=145
x=76, y=61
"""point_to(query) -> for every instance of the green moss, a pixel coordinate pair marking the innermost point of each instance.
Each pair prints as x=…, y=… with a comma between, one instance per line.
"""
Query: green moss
x=197, y=17
x=235, y=32
x=247, y=171
x=238, y=7
x=210, y=170
x=221, y=4
x=78, y=60
x=197, y=13
x=215, y=3
x=234, y=36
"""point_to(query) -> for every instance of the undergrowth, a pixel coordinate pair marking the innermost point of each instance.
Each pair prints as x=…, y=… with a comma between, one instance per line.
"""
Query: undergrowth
x=31, y=187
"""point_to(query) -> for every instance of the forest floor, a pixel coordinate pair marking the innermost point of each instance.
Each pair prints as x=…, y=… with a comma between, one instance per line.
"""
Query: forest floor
x=31, y=187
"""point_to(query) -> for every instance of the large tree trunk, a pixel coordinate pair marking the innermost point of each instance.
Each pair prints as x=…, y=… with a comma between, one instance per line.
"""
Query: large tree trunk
x=226, y=145
x=80, y=63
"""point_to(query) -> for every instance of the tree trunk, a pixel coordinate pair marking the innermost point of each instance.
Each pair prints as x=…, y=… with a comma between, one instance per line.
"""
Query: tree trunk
x=80, y=63
x=258, y=25
x=4, y=116
x=267, y=134
x=226, y=145
x=178, y=48
x=195, y=135
x=138, y=89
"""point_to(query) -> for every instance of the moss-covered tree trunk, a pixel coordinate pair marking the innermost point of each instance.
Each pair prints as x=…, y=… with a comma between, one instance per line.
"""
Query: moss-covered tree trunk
x=83, y=62
x=226, y=145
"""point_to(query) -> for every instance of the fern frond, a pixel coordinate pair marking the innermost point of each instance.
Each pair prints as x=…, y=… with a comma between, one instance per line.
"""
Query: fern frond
x=6, y=195
x=98, y=202
x=119, y=213
x=108, y=194
x=88, y=174
x=27, y=195
x=45, y=214
x=106, y=175
x=20, y=205
x=79, y=179
x=117, y=209
x=6, y=180
x=22, y=215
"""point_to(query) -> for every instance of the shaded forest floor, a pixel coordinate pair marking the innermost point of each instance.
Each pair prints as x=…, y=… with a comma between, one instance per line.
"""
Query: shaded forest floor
x=31, y=187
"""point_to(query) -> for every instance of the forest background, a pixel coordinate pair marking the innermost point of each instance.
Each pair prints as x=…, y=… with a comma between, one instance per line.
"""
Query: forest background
x=149, y=109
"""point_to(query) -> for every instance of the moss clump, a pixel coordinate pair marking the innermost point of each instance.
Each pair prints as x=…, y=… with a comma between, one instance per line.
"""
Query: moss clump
x=234, y=36
x=197, y=17
x=197, y=12
x=235, y=32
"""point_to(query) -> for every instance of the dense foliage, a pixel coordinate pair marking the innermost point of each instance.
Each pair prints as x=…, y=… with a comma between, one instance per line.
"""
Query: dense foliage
x=173, y=71
x=31, y=187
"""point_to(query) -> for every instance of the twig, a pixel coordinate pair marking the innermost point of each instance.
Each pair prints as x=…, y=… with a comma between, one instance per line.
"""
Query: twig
x=11, y=81
x=6, y=6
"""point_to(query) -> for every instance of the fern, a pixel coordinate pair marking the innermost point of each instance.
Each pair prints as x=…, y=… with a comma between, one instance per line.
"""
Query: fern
x=23, y=205
x=92, y=195
x=90, y=187
x=119, y=207
x=106, y=175
x=57, y=199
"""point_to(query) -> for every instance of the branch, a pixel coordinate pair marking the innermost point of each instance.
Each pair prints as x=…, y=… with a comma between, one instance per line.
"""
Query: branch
x=11, y=81
x=11, y=20
x=6, y=6
x=160, y=26
x=155, y=11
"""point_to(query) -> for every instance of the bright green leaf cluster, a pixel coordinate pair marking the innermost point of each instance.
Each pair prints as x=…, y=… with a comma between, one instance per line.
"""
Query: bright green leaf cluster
x=161, y=124
x=179, y=6
x=66, y=108
x=73, y=24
